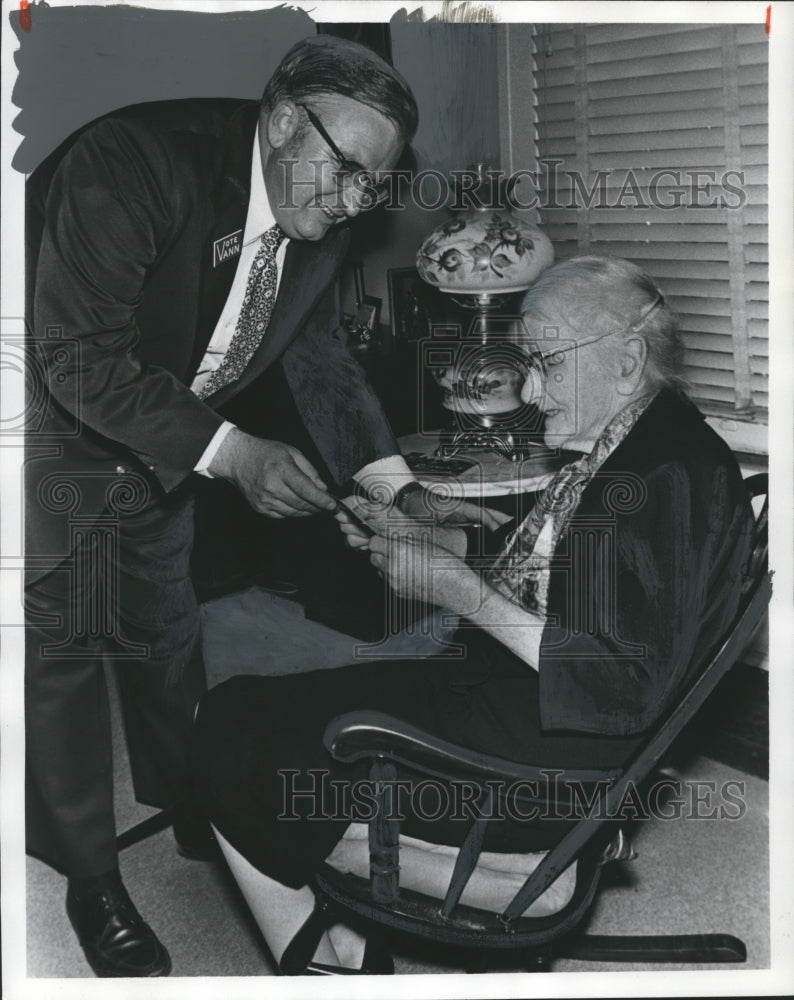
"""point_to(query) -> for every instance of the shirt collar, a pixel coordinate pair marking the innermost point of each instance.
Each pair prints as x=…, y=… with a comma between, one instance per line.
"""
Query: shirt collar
x=260, y=217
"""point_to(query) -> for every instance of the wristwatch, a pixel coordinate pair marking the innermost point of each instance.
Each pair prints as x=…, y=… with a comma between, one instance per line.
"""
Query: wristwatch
x=407, y=490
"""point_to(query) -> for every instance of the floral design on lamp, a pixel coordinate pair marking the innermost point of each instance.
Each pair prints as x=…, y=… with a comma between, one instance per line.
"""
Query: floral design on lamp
x=484, y=253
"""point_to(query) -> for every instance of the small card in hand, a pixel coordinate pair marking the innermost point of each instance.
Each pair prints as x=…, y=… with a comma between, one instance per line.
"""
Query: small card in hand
x=359, y=522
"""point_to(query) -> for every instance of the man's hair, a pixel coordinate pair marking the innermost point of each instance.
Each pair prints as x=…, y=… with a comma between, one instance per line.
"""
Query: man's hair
x=600, y=294
x=325, y=64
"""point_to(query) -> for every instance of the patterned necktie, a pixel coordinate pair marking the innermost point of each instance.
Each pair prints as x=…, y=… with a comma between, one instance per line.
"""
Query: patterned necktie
x=260, y=294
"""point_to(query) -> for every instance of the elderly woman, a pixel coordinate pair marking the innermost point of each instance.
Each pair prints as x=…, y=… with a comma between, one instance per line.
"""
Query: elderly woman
x=628, y=566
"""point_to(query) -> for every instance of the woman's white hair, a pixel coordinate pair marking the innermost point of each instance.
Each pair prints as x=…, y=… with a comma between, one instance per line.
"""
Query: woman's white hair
x=594, y=295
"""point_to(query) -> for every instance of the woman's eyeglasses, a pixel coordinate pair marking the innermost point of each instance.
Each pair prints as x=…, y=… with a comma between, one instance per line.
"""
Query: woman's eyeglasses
x=371, y=192
x=541, y=361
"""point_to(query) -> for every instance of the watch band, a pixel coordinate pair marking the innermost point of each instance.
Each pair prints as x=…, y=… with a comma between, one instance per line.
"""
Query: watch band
x=407, y=490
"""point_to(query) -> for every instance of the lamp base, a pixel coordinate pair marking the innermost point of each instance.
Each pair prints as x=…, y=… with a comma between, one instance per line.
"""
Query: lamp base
x=492, y=435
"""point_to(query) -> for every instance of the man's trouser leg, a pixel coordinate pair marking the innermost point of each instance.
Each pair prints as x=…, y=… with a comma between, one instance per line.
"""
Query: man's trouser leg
x=148, y=595
x=69, y=794
x=158, y=607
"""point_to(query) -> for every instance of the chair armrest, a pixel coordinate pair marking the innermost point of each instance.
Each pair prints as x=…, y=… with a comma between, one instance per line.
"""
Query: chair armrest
x=362, y=734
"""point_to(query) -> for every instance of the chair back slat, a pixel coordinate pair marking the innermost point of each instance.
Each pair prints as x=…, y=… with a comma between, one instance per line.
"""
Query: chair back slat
x=469, y=853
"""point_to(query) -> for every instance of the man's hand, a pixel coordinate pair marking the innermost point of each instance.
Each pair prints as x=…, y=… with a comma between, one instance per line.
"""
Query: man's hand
x=275, y=478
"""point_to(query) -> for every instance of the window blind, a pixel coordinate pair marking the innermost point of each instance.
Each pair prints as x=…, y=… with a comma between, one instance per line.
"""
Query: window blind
x=652, y=145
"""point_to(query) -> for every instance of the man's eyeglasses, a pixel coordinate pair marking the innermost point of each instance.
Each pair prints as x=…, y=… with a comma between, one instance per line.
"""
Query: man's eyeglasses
x=541, y=361
x=371, y=192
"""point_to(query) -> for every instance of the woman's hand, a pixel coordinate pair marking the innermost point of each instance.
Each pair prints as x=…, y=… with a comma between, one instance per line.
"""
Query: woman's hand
x=386, y=521
x=453, y=513
x=416, y=568
x=405, y=551
x=355, y=537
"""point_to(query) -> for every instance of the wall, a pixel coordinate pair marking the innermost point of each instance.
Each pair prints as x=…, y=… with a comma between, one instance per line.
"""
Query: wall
x=77, y=63
x=452, y=70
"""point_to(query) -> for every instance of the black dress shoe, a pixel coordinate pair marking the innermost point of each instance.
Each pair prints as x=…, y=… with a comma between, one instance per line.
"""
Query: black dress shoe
x=115, y=938
x=194, y=837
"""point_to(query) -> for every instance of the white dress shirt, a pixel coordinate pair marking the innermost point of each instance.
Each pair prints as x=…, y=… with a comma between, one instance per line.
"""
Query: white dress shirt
x=259, y=219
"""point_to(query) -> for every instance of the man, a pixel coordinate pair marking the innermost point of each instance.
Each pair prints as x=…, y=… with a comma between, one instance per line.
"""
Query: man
x=175, y=252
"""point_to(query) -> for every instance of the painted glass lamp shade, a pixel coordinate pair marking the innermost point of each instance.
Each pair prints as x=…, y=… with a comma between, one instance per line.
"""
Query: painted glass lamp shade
x=484, y=252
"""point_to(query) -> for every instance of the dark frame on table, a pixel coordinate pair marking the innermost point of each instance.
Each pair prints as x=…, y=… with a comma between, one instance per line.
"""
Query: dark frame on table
x=415, y=308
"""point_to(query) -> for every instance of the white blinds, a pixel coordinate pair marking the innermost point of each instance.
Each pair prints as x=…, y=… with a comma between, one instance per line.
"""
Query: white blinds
x=634, y=120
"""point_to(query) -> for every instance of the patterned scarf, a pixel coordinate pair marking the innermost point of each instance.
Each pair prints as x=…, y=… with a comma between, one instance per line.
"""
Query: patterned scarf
x=522, y=570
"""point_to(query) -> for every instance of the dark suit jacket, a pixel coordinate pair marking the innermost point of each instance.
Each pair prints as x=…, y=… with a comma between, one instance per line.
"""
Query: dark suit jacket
x=123, y=295
x=647, y=577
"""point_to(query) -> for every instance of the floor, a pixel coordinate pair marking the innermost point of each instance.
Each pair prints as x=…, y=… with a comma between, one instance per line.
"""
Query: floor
x=692, y=874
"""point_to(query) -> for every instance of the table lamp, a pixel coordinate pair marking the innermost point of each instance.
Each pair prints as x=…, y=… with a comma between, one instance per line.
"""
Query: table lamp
x=483, y=257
